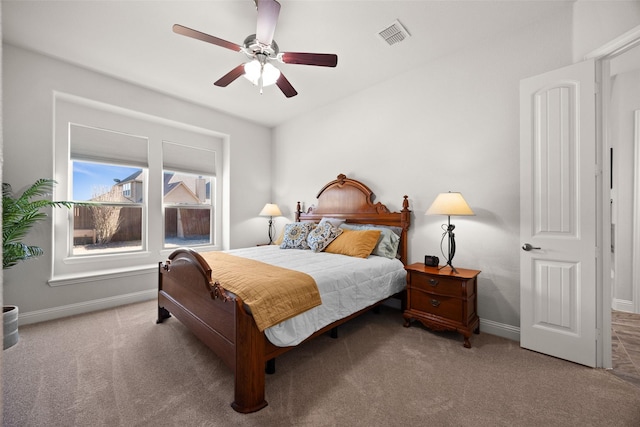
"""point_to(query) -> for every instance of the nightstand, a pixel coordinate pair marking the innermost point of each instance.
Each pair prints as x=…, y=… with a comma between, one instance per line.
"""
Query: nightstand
x=442, y=300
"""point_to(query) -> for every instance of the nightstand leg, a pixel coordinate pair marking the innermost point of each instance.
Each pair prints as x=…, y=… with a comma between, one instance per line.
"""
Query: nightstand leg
x=467, y=343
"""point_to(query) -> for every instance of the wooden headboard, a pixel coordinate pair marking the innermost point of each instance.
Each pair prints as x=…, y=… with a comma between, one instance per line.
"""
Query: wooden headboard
x=351, y=200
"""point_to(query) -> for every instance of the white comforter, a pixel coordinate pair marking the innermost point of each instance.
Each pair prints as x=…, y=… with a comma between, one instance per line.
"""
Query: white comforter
x=347, y=284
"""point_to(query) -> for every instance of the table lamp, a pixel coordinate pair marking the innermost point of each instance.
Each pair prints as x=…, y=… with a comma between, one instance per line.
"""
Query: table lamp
x=451, y=203
x=270, y=210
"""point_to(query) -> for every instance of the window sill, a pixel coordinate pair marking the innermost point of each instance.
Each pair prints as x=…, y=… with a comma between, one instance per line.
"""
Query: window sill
x=95, y=276
x=79, y=259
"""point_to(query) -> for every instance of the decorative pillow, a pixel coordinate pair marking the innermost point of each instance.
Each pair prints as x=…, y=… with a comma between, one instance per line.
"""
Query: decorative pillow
x=336, y=222
x=295, y=235
x=356, y=243
x=388, y=242
x=320, y=237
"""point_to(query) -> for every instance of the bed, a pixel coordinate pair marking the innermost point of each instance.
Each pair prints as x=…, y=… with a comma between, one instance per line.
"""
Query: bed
x=190, y=291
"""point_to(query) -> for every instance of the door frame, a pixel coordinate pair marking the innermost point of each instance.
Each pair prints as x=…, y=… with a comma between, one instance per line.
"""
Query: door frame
x=602, y=57
x=635, y=274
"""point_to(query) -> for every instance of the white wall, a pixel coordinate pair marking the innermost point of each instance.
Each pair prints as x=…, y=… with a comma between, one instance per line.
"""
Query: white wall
x=29, y=81
x=596, y=23
x=449, y=125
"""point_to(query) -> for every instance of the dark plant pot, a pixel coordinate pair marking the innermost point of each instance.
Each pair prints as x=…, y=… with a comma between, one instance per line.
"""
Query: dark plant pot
x=10, y=327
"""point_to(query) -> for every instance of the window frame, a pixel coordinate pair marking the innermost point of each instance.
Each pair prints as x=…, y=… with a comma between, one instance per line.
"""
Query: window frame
x=68, y=109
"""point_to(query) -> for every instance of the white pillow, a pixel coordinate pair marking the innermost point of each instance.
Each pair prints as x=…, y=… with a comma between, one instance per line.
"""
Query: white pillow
x=336, y=222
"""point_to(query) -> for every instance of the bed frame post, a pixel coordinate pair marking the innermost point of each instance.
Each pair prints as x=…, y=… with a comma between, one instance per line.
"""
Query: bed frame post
x=298, y=212
x=163, y=313
x=250, y=364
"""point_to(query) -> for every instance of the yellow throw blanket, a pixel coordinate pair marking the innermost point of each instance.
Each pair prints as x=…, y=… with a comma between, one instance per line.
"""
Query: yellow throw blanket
x=273, y=293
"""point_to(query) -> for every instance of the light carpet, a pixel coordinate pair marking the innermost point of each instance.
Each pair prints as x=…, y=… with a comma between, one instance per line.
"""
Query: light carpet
x=118, y=368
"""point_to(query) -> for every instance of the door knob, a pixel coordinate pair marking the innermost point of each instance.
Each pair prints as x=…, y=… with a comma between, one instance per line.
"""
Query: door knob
x=527, y=247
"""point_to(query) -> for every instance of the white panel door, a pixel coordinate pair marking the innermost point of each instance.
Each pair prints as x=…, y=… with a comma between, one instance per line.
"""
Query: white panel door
x=558, y=213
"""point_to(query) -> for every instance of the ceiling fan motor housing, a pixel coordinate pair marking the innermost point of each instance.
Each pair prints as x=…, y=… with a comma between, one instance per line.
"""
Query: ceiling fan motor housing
x=252, y=47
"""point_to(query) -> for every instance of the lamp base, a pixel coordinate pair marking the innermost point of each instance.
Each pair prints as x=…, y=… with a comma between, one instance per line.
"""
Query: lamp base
x=451, y=240
x=270, y=230
x=448, y=264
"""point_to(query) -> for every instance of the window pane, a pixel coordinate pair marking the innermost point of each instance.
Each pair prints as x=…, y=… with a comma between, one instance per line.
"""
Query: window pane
x=106, y=228
x=187, y=209
x=187, y=226
x=107, y=183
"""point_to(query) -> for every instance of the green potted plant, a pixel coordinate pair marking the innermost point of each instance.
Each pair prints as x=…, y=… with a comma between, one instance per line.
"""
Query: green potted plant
x=19, y=215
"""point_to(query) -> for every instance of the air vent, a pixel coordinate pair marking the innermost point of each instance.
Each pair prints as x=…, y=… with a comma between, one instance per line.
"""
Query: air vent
x=395, y=33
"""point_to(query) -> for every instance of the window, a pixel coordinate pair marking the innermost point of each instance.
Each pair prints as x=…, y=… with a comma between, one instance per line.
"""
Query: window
x=114, y=221
x=103, y=162
x=187, y=194
x=126, y=189
x=152, y=185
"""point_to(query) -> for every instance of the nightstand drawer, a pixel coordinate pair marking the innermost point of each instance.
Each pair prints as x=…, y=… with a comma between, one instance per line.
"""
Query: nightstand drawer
x=437, y=284
x=443, y=306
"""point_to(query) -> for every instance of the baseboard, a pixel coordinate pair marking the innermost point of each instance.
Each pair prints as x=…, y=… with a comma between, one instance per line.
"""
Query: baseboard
x=500, y=329
x=486, y=326
x=622, y=305
x=85, y=307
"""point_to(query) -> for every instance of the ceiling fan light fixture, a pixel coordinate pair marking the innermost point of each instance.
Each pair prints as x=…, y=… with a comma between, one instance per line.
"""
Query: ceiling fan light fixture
x=260, y=48
x=253, y=70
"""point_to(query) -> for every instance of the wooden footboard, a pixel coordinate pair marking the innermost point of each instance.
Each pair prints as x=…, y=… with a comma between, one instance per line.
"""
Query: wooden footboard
x=218, y=319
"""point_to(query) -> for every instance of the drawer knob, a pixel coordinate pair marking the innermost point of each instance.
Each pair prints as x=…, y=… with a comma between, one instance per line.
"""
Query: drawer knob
x=435, y=302
x=433, y=282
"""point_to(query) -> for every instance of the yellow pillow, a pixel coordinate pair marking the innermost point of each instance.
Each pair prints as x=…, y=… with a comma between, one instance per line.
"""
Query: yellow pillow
x=357, y=243
x=280, y=238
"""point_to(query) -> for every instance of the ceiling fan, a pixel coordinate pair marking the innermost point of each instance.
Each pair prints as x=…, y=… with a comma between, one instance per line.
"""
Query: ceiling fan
x=262, y=49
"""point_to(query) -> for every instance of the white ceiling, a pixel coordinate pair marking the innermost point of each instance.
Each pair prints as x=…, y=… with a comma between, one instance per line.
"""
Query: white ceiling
x=132, y=40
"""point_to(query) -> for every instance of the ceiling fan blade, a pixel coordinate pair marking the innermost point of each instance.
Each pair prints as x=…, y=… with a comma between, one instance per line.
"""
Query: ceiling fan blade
x=320, y=59
x=285, y=86
x=268, y=12
x=179, y=29
x=229, y=78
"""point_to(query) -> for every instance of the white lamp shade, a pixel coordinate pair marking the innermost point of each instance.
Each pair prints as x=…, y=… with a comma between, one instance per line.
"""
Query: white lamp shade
x=270, y=74
x=450, y=203
x=270, y=209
